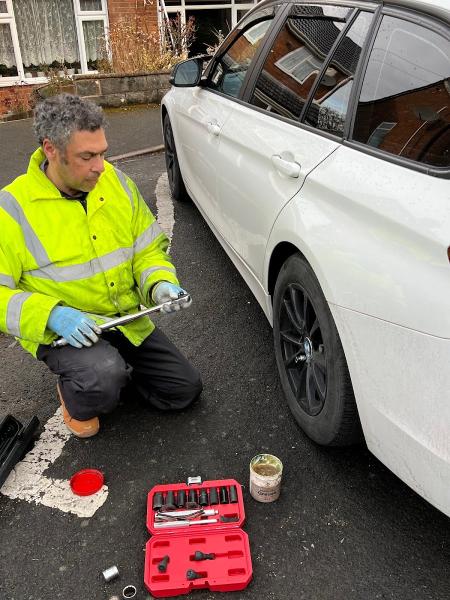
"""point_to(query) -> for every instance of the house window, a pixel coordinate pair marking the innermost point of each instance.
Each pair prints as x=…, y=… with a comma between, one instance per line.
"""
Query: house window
x=378, y=135
x=93, y=34
x=38, y=35
x=299, y=64
x=8, y=63
x=92, y=24
x=213, y=19
x=47, y=38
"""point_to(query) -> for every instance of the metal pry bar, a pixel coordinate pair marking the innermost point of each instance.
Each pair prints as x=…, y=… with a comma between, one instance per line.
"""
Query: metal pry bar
x=129, y=318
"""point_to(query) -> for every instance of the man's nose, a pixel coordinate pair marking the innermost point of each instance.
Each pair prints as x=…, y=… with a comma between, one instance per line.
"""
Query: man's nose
x=98, y=165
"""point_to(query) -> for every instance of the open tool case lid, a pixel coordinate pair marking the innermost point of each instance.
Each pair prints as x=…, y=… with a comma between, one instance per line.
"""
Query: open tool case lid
x=218, y=552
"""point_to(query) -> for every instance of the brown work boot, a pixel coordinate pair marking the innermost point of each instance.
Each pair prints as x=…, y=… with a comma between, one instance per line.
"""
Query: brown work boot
x=82, y=429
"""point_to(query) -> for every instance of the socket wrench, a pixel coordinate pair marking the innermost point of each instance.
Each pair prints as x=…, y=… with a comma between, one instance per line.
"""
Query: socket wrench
x=111, y=323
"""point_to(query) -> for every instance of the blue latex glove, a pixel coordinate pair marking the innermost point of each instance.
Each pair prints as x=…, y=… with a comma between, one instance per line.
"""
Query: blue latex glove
x=164, y=292
x=73, y=325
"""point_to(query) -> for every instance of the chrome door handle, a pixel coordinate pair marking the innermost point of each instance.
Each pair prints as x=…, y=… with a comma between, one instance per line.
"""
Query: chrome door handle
x=213, y=128
x=286, y=167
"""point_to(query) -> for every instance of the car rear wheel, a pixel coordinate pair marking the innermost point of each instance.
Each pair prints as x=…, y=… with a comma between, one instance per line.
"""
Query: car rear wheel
x=176, y=184
x=310, y=358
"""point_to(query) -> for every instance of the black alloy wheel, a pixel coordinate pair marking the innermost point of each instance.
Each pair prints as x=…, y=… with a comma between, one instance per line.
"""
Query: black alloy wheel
x=176, y=183
x=310, y=358
x=303, y=349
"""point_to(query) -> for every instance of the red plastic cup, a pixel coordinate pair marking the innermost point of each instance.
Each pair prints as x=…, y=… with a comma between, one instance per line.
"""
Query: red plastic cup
x=86, y=482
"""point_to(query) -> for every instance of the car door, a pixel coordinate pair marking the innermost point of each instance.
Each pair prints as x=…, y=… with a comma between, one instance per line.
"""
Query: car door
x=202, y=112
x=265, y=153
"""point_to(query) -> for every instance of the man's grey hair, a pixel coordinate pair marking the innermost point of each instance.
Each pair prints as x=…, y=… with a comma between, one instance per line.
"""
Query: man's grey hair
x=57, y=117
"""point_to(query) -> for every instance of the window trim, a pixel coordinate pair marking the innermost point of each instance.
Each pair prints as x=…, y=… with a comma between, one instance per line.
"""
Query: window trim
x=227, y=43
x=441, y=172
x=434, y=25
x=360, y=73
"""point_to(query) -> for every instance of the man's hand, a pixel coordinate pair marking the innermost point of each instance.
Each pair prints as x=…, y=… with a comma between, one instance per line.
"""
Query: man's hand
x=73, y=325
x=165, y=292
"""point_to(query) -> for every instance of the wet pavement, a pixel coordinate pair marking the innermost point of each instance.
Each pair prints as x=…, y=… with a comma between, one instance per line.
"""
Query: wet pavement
x=344, y=527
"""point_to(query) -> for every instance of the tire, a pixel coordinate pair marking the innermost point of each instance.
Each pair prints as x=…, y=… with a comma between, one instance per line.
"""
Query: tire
x=310, y=358
x=176, y=183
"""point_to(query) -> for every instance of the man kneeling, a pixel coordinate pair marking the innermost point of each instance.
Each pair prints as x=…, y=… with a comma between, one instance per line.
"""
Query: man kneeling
x=79, y=243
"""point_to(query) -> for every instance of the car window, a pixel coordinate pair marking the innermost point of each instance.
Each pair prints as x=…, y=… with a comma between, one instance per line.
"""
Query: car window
x=328, y=109
x=296, y=57
x=228, y=73
x=404, y=106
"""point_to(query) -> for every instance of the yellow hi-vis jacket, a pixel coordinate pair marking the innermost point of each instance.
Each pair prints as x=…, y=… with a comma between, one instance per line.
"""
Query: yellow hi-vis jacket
x=52, y=252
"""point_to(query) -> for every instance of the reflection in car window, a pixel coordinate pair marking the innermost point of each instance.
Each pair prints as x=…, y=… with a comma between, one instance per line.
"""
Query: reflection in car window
x=229, y=72
x=329, y=106
x=296, y=58
x=404, y=107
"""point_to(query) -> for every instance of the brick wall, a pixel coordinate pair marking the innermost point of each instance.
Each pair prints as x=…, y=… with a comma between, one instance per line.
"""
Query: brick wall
x=144, y=14
x=15, y=98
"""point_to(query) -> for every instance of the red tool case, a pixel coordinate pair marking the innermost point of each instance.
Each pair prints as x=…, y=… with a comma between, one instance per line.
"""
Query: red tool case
x=231, y=567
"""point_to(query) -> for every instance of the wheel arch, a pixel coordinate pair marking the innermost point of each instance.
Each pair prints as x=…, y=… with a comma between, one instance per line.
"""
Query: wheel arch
x=280, y=254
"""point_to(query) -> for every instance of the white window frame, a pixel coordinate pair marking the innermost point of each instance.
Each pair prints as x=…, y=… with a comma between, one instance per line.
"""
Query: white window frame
x=80, y=16
x=88, y=15
x=9, y=19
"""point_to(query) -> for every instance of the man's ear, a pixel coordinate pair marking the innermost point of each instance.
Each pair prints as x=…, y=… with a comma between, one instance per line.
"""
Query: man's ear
x=49, y=149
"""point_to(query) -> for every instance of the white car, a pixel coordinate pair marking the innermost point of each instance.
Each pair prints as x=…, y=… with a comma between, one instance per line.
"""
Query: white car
x=316, y=144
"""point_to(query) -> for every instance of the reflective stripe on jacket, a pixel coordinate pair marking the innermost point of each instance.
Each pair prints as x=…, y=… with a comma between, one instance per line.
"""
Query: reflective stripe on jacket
x=52, y=252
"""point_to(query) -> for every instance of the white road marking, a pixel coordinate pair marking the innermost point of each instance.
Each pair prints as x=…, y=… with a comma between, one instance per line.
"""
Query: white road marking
x=164, y=205
x=27, y=481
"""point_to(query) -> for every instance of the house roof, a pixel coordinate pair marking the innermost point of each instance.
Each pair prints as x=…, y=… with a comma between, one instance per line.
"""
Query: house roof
x=319, y=35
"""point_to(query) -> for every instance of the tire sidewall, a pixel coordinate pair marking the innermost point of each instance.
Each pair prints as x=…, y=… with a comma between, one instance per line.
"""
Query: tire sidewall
x=322, y=428
x=176, y=184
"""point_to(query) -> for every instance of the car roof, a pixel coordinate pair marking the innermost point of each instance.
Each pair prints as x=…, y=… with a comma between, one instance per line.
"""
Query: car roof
x=438, y=8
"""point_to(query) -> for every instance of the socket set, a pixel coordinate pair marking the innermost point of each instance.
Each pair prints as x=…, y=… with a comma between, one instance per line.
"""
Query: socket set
x=197, y=538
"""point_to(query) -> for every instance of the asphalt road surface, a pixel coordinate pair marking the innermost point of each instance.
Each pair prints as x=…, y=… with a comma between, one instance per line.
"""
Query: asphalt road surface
x=344, y=528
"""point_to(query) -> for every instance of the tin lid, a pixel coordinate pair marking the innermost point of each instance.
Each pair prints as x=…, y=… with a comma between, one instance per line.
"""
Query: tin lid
x=86, y=482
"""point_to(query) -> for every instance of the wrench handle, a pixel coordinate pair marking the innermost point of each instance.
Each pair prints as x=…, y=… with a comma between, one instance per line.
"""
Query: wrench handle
x=59, y=343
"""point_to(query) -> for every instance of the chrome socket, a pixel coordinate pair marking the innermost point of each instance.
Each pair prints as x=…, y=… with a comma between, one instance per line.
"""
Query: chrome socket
x=110, y=573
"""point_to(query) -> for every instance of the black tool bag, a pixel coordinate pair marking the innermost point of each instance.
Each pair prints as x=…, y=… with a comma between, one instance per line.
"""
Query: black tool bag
x=15, y=441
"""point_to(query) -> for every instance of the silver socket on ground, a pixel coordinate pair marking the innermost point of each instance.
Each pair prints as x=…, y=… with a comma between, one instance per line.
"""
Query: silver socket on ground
x=110, y=573
x=129, y=591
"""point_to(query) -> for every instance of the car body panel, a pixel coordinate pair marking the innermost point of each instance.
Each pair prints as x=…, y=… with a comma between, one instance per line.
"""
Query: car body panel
x=193, y=113
x=251, y=190
x=376, y=236
x=402, y=395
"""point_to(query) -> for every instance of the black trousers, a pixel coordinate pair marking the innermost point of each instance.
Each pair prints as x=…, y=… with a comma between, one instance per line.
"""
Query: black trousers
x=92, y=378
